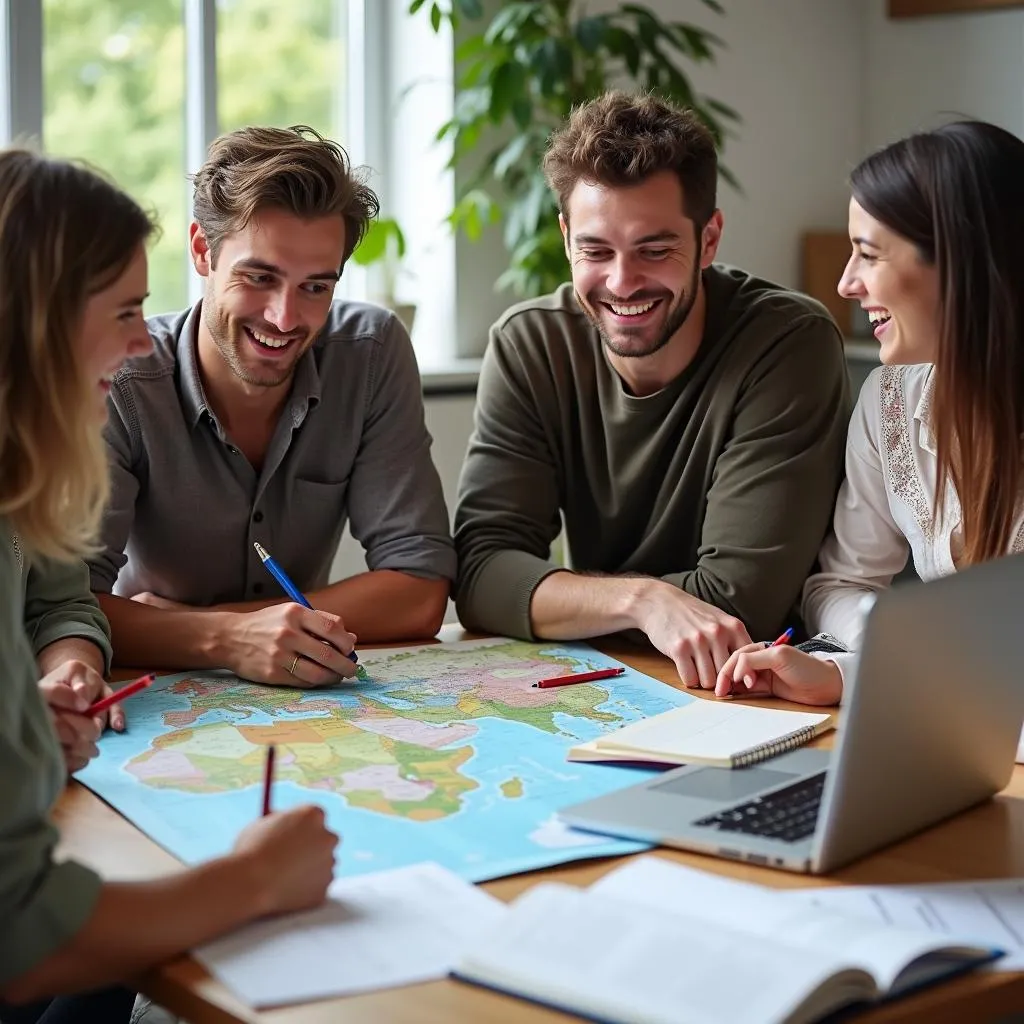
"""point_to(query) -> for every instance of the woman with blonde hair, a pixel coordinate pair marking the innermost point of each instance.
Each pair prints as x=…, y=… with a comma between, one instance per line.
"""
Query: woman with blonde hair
x=935, y=454
x=72, y=282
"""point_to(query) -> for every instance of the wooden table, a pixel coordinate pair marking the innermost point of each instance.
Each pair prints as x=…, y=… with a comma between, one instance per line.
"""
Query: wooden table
x=986, y=842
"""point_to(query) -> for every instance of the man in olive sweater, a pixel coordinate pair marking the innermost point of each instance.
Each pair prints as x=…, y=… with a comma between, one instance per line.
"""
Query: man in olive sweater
x=685, y=420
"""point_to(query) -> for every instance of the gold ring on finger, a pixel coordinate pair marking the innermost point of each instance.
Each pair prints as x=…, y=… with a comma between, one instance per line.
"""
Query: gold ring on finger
x=291, y=667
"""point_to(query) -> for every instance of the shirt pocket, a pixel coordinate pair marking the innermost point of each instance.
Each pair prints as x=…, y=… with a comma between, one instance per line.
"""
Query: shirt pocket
x=318, y=510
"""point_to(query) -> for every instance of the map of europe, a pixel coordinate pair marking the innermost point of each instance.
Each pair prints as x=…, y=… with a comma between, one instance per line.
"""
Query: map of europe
x=444, y=752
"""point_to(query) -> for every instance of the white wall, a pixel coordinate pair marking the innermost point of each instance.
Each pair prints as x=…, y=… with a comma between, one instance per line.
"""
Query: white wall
x=793, y=70
x=918, y=72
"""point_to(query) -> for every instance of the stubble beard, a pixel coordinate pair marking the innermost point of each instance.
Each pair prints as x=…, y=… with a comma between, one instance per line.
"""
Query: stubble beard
x=675, y=319
x=229, y=343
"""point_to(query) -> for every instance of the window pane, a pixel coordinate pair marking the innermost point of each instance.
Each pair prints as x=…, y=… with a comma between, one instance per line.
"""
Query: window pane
x=282, y=64
x=114, y=94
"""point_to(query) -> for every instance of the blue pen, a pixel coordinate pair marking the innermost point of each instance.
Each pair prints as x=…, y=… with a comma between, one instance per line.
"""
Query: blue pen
x=286, y=584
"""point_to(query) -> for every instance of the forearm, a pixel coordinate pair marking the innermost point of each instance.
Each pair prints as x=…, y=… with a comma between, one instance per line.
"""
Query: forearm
x=70, y=649
x=120, y=939
x=569, y=606
x=378, y=606
x=148, y=637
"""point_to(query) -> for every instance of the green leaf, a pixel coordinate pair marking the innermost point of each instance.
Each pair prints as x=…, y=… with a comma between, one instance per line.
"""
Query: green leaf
x=435, y=17
x=383, y=240
x=723, y=109
x=507, y=22
x=522, y=111
x=714, y=5
x=591, y=32
x=510, y=155
x=471, y=8
x=416, y=5
x=506, y=85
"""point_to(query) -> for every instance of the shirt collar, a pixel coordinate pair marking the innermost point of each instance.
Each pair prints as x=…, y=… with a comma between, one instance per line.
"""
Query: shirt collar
x=305, y=391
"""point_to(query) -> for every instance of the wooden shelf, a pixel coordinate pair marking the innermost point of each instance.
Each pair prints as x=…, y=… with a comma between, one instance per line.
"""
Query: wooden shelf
x=918, y=8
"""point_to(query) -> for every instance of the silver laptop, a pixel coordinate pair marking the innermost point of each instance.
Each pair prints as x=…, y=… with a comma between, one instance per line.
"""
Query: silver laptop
x=929, y=727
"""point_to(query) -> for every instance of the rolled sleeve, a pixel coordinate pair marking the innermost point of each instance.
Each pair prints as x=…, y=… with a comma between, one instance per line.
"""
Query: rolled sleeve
x=396, y=504
x=59, y=604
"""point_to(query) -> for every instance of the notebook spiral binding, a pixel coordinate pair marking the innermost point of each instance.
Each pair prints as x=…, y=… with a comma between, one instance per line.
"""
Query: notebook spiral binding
x=767, y=750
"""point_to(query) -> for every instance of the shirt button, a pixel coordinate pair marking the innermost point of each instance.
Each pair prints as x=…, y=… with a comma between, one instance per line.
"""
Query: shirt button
x=257, y=516
x=257, y=588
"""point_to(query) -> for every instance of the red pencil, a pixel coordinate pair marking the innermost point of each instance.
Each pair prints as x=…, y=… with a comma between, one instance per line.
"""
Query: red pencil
x=784, y=639
x=579, y=677
x=119, y=695
x=268, y=779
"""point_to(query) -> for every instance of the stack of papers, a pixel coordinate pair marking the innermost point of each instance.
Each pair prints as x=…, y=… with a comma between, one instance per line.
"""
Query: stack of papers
x=375, y=931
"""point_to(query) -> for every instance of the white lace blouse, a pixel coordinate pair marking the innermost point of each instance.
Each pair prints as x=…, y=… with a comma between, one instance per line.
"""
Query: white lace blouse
x=886, y=507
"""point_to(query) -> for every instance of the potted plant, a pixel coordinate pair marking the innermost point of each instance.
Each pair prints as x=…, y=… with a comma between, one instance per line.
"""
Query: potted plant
x=519, y=76
x=384, y=244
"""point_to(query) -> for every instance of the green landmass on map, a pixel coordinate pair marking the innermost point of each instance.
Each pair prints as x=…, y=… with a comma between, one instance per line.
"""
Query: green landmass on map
x=393, y=760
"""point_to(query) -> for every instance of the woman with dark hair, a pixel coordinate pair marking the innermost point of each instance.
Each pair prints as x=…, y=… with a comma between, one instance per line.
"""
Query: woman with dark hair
x=73, y=277
x=935, y=453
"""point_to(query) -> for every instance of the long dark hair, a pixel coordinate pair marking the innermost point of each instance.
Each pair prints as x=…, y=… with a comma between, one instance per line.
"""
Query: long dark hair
x=957, y=193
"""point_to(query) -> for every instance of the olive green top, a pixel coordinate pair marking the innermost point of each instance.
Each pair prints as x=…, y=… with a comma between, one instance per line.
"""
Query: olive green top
x=722, y=483
x=42, y=903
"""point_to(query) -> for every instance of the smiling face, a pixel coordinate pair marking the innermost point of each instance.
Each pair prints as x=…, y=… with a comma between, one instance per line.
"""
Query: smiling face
x=112, y=327
x=898, y=289
x=268, y=296
x=636, y=260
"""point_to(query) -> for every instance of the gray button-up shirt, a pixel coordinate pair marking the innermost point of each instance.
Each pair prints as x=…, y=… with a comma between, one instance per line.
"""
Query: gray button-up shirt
x=351, y=443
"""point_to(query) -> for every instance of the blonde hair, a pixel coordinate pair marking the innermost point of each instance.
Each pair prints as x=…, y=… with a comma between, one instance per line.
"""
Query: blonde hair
x=292, y=169
x=65, y=234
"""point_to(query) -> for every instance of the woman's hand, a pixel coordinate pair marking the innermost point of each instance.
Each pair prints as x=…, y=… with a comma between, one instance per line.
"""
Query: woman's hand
x=756, y=670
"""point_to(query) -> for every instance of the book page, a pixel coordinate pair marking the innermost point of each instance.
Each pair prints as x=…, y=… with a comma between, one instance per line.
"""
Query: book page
x=856, y=940
x=617, y=961
x=709, y=731
x=991, y=912
x=375, y=931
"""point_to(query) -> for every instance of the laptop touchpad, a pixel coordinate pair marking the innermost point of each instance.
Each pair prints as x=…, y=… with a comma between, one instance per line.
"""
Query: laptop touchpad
x=723, y=784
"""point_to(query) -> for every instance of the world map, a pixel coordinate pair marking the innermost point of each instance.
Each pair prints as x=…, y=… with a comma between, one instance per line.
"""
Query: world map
x=443, y=752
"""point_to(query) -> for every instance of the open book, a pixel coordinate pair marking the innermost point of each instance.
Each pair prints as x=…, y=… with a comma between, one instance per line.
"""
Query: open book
x=647, y=945
x=721, y=733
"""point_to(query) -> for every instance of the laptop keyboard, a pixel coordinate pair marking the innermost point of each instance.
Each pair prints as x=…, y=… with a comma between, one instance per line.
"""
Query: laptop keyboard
x=789, y=814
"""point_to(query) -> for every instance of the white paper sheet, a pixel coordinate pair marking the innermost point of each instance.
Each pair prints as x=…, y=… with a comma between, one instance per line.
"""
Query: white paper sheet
x=376, y=931
x=991, y=912
x=845, y=924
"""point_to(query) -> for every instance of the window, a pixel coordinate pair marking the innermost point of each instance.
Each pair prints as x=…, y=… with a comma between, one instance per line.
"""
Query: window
x=139, y=87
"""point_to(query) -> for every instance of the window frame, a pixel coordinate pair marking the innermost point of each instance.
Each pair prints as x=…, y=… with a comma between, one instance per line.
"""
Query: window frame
x=21, y=86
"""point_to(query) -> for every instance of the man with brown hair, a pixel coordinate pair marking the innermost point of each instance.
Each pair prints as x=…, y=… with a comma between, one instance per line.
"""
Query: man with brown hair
x=684, y=420
x=269, y=413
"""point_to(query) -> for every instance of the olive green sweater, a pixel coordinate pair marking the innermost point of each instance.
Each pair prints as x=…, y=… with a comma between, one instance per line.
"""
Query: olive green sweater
x=722, y=483
x=42, y=903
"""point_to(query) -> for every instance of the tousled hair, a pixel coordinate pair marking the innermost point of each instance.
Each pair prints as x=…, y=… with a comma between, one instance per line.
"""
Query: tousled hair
x=66, y=233
x=292, y=169
x=956, y=193
x=622, y=139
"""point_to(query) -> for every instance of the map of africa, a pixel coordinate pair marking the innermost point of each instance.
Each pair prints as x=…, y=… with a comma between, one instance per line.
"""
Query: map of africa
x=444, y=752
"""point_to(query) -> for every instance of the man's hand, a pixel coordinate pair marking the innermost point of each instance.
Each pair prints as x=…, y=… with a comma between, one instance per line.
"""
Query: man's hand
x=156, y=601
x=68, y=690
x=783, y=672
x=290, y=645
x=697, y=636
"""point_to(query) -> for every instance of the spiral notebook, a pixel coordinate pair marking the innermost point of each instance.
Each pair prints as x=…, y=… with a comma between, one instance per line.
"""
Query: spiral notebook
x=720, y=733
